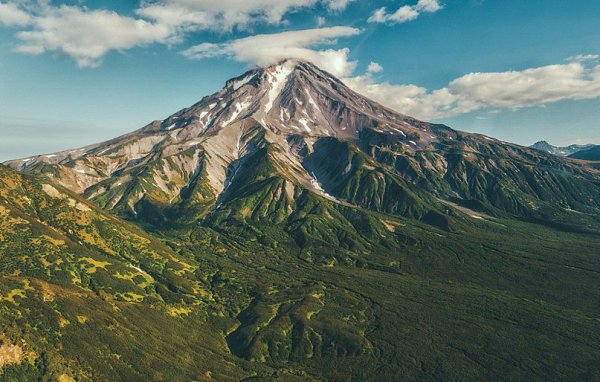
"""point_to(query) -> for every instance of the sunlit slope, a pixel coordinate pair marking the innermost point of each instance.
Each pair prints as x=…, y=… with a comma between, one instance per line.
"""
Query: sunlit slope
x=86, y=295
x=304, y=127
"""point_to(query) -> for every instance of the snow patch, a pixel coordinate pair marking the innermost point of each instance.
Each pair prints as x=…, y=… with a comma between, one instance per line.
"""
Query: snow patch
x=315, y=183
x=399, y=131
x=348, y=168
x=311, y=100
x=317, y=186
x=281, y=116
x=304, y=123
x=238, y=84
x=103, y=151
x=277, y=81
x=239, y=107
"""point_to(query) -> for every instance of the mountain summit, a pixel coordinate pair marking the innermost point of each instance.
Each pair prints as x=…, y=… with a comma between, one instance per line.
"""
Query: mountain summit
x=287, y=107
x=289, y=229
x=292, y=97
x=291, y=128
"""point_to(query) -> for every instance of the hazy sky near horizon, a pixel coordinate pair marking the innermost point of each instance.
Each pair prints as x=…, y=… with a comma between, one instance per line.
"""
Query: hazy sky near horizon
x=78, y=72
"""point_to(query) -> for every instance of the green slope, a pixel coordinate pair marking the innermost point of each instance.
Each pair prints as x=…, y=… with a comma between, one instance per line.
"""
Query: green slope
x=86, y=295
x=279, y=283
x=366, y=246
x=426, y=305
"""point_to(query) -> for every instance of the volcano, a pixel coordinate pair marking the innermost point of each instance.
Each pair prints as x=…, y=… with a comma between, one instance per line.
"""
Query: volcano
x=292, y=127
x=287, y=228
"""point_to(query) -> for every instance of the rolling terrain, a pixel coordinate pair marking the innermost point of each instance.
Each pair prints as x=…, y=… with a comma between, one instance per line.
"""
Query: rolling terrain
x=287, y=228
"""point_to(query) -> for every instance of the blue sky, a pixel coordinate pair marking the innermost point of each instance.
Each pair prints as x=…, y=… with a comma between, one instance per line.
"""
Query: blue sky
x=77, y=72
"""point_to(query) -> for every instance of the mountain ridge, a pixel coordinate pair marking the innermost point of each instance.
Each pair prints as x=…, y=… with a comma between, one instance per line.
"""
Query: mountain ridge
x=334, y=292
x=282, y=117
x=359, y=244
x=565, y=151
x=590, y=154
x=214, y=115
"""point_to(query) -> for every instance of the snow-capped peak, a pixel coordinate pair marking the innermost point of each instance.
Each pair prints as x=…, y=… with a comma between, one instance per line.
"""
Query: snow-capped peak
x=277, y=78
x=271, y=105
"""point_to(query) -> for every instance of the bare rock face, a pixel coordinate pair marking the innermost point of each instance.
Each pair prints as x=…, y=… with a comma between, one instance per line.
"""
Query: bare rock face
x=262, y=107
x=300, y=124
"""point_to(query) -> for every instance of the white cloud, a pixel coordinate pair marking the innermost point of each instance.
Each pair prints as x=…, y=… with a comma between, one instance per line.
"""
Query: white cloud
x=584, y=57
x=378, y=16
x=268, y=49
x=225, y=15
x=321, y=21
x=338, y=5
x=486, y=91
x=405, y=13
x=12, y=15
x=177, y=19
x=88, y=35
x=374, y=67
x=221, y=15
x=428, y=6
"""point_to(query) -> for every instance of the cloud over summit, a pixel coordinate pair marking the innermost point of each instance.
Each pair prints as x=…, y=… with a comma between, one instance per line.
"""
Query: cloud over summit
x=87, y=35
x=268, y=49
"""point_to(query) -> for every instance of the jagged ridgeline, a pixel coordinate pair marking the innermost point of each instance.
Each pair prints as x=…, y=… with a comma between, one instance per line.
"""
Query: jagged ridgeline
x=287, y=228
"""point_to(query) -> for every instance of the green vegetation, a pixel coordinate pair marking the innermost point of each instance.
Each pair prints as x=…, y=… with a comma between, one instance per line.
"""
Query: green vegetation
x=281, y=284
x=372, y=247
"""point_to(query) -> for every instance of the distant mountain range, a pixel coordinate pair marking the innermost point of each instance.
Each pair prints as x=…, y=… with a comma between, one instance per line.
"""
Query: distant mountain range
x=562, y=151
x=287, y=228
x=590, y=154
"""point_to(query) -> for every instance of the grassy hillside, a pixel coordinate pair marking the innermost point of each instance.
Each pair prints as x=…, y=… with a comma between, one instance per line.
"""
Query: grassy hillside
x=275, y=288
x=488, y=300
x=88, y=296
